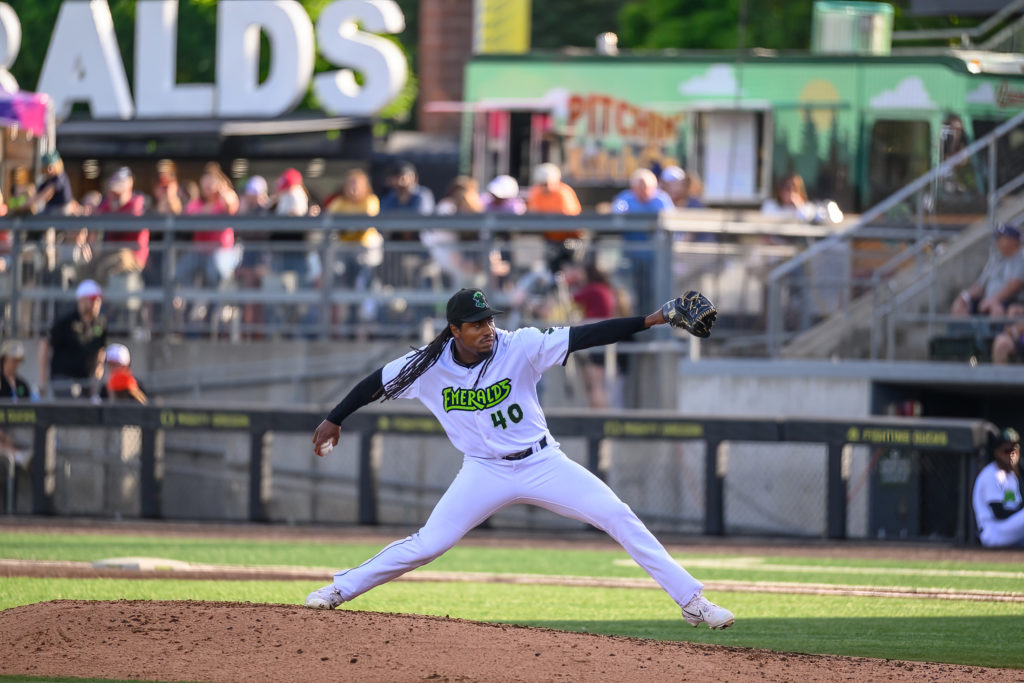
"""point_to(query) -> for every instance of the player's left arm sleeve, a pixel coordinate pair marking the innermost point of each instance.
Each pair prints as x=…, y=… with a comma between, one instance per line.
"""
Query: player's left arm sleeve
x=362, y=394
x=603, y=332
x=1001, y=511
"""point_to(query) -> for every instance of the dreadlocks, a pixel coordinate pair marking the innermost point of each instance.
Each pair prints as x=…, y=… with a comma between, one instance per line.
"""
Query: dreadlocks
x=421, y=361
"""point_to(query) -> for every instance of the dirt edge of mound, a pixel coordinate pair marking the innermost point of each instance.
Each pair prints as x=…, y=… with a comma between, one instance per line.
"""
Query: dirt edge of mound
x=217, y=641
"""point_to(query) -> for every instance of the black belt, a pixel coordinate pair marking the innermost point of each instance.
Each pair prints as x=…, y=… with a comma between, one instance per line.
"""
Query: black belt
x=526, y=453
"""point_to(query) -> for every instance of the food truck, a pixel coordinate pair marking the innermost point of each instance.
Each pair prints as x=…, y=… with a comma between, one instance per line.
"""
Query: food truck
x=855, y=127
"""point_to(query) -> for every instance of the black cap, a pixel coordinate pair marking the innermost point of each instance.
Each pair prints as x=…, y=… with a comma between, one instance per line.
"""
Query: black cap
x=469, y=306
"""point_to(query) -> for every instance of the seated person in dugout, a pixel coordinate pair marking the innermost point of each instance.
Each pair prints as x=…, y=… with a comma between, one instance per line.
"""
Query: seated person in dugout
x=1001, y=281
x=996, y=498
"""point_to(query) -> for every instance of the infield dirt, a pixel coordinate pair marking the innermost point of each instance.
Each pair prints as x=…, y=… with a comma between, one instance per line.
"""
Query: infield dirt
x=208, y=641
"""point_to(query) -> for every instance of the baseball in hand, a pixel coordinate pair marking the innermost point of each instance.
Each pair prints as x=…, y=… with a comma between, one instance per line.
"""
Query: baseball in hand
x=325, y=448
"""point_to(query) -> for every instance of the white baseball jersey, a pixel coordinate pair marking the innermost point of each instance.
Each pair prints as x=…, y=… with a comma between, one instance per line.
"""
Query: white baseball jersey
x=996, y=485
x=496, y=414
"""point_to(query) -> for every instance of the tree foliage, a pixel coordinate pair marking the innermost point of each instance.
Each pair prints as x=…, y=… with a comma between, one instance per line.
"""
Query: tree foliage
x=717, y=24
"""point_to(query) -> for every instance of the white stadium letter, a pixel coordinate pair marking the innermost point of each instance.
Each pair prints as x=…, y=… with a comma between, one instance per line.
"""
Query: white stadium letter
x=10, y=44
x=292, y=56
x=380, y=61
x=83, y=63
x=156, y=61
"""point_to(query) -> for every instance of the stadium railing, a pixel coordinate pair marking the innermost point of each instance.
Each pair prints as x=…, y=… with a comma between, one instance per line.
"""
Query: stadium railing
x=295, y=277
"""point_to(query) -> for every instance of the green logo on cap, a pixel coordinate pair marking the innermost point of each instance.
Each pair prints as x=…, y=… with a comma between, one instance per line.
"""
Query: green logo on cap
x=478, y=297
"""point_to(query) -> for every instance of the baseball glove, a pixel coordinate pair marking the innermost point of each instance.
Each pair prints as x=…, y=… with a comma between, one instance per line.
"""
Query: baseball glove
x=692, y=312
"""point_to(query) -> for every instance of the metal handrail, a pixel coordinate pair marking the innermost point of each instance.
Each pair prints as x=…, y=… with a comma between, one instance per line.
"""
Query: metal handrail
x=774, y=311
x=962, y=33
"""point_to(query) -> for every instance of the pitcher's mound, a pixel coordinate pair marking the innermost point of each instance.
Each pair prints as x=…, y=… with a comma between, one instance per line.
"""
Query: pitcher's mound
x=218, y=641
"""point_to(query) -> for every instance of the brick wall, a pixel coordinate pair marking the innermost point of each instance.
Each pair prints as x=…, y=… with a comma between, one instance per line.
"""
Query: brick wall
x=446, y=44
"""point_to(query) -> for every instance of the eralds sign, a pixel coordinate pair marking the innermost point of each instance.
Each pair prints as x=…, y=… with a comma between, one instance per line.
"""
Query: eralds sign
x=83, y=61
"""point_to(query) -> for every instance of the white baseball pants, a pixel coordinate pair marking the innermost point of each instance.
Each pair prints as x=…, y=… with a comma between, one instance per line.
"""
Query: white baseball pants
x=547, y=479
x=1004, y=532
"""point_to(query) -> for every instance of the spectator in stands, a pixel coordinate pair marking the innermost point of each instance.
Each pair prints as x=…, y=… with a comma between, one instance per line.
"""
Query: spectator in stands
x=998, y=507
x=255, y=200
x=643, y=195
x=168, y=199
x=118, y=380
x=549, y=194
x=406, y=194
x=91, y=201
x=677, y=184
x=363, y=247
x=790, y=198
x=12, y=386
x=457, y=266
x=53, y=194
x=503, y=196
x=463, y=197
x=1008, y=345
x=123, y=251
x=71, y=356
x=292, y=197
x=1002, y=280
x=256, y=261
x=597, y=300
x=212, y=257
x=20, y=200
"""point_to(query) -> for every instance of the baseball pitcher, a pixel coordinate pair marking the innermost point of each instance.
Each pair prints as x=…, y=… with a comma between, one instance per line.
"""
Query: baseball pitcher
x=480, y=382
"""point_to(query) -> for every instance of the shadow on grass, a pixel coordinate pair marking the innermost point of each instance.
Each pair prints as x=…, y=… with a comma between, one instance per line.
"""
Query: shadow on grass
x=974, y=641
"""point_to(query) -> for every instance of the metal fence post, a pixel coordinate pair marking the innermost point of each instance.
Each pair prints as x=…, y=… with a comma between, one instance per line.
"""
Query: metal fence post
x=16, y=275
x=594, y=445
x=714, y=491
x=150, y=476
x=368, y=444
x=169, y=269
x=835, y=500
x=44, y=464
x=259, y=474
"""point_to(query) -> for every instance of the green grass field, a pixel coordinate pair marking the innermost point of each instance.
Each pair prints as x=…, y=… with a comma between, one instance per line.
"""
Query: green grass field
x=954, y=631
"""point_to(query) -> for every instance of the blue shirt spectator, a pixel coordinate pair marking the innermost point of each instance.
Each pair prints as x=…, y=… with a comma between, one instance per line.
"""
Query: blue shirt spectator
x=643, y=195
x=406, y=194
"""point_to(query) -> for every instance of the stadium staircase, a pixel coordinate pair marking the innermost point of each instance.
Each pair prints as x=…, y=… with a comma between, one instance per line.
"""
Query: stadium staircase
x=916, y=285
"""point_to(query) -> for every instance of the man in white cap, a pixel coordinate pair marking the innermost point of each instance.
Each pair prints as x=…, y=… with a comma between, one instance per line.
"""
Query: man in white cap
x=76, y=341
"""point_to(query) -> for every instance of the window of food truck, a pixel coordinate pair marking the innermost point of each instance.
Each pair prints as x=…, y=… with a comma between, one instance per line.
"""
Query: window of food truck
x=898, y=152
x=732, y=156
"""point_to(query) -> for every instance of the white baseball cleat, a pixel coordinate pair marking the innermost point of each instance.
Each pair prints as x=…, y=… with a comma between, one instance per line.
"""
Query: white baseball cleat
x=700, y=609
x=327, y=597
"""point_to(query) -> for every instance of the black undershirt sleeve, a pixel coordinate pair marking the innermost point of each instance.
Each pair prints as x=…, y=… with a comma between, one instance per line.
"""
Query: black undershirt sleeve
x=361, y=394
x=1002, y=512
x=604, y=332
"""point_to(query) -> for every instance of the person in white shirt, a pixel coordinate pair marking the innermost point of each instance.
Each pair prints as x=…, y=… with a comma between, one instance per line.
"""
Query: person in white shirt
x=996, y=498
x=480, y=382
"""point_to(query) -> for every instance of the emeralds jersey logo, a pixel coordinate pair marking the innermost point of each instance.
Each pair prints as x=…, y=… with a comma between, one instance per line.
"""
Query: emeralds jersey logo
x=476, y=399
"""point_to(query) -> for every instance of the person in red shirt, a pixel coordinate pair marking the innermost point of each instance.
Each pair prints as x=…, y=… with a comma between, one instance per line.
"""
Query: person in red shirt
x=123, y=250
x=597, y=300
x=212, y=256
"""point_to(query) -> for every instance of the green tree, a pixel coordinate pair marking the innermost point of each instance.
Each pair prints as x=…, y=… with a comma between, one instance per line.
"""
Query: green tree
x=560, y=23
x=717, y=24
